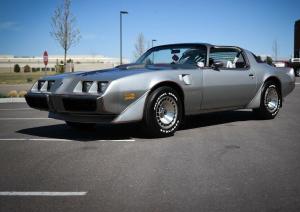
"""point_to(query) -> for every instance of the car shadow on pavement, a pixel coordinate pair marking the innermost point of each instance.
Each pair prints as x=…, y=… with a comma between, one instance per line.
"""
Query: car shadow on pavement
x=99, y=132
x=209, y=119
x=128, y=131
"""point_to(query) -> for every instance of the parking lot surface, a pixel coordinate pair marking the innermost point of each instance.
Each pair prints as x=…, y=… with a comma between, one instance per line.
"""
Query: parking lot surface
x=226, y=161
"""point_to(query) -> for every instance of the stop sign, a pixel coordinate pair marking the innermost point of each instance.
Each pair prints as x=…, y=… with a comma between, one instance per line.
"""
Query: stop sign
x=45, y=57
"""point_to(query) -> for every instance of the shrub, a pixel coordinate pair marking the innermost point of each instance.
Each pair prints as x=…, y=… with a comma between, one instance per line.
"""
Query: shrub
x=3, y=95
x=269, y=60
x=26, y=68
x=13, y=93
x=29, y=79
x=22, y=93
x=17, y=68
x=59, y=68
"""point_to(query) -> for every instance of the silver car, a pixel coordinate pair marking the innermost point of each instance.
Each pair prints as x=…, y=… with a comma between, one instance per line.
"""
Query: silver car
x=165, y=84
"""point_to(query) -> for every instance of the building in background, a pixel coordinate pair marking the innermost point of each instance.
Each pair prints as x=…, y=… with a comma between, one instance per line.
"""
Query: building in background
x=78, y=62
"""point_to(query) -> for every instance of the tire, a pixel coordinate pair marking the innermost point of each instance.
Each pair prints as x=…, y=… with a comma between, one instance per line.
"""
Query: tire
x=163, y=112
x=270, y=101
x=78, y=125
x=297, y=72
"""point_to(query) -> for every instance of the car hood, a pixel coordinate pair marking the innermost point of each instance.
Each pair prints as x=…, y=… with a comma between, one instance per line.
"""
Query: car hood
x=113, y=73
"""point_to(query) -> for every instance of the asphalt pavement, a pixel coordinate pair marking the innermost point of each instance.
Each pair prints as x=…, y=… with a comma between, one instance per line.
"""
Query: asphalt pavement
x=227, y=161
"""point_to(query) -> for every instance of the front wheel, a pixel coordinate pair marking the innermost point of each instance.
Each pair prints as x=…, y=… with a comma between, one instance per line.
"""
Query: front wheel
x=163, y=112
x=270, y=101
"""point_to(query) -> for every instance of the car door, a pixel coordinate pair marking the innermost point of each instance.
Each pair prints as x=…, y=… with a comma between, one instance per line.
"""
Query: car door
x=232, y=85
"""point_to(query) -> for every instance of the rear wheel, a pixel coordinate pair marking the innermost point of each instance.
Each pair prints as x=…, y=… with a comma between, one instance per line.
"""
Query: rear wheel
x=270, y=101
x=78, y=125
x=163, y=112
x=297, y=72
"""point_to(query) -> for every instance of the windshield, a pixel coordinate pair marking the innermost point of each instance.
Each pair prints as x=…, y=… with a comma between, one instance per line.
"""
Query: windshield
x=179, y=55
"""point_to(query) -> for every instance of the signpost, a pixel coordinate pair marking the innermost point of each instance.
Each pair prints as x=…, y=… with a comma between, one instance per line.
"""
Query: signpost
x=45, y=58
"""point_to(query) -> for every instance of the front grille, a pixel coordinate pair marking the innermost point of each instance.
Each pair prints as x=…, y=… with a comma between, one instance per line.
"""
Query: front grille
x=39, y=102
x=80, y=105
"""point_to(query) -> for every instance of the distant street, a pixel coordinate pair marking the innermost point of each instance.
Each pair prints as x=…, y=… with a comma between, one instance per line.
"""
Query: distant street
x=225, y=161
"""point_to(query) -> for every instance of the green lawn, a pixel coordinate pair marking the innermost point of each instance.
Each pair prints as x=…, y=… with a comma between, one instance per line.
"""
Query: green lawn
x=21, y=78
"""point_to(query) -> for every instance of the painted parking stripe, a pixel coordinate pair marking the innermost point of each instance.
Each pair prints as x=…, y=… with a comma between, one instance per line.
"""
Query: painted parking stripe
x=58, y=139
x=7, y=119
x=41, y=193
x=297, y=83
x=16, y=108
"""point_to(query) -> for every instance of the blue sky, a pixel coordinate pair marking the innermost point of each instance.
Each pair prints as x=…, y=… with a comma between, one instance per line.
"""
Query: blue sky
x=252, y=24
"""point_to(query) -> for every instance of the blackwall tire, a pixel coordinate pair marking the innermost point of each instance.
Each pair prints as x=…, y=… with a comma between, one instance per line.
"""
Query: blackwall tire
x=163, y=112
x=270, y=101
x=297, y=72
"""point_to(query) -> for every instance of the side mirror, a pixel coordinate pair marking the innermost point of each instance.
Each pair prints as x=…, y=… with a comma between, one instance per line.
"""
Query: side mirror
x=217, y=65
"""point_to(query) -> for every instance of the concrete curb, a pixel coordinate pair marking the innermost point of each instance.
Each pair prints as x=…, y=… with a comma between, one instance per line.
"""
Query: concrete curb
x=12, y=100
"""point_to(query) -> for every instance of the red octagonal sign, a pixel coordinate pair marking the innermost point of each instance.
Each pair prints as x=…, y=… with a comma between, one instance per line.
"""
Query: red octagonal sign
x=45, y=57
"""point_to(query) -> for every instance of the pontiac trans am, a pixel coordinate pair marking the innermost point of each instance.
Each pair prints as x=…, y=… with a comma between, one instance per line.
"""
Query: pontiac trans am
x=165, y=84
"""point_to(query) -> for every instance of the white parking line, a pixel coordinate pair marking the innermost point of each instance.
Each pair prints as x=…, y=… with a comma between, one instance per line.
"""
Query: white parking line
x=58, y=139
x=41, y=193
x=7, y=119
x=297, y=83
x=16, y=108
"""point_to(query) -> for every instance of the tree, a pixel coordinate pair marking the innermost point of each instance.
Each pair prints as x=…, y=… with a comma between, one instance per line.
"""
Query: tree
x=269, y=60
x=63, y=27
x=27, y=68
x=259, y=58
x=17, y=68
x=139, y=46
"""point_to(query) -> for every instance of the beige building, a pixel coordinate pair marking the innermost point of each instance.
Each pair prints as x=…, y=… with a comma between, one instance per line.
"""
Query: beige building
x=79, y=62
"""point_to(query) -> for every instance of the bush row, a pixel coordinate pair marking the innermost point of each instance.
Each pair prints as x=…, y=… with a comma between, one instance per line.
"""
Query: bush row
x=27, y=68
x=15, y=93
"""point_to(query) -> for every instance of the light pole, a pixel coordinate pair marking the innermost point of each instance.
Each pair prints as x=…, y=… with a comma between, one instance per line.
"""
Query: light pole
x=9, y=65
x=153, y=40
x=121, y=13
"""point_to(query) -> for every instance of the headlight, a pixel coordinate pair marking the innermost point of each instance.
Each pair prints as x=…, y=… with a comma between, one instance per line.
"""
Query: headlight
x=92, y=87
x=102, y=86
x=86, y=85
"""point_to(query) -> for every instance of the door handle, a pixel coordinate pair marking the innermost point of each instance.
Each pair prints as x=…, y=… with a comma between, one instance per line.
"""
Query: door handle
x=251, y=75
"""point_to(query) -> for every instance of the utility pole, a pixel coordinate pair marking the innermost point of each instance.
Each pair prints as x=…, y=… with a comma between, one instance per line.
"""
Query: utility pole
x=275, y=50
x=153, y=40
x=121, y=13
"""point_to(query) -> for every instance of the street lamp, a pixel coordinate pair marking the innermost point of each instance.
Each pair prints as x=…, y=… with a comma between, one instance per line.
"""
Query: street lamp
x=121, y=13
x=153, y=40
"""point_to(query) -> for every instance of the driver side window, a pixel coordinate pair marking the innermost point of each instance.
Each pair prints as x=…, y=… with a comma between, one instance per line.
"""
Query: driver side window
x=230, y=58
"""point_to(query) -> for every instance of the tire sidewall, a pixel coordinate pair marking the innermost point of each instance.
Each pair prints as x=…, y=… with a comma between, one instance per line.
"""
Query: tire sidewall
x=152, y=104
x=297, y=72
x=263, y=106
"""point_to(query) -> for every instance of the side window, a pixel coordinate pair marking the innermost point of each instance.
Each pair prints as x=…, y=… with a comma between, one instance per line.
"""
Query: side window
x=230, y=57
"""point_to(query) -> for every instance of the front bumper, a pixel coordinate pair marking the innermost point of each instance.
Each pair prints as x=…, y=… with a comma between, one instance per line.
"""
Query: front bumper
x=73, y=108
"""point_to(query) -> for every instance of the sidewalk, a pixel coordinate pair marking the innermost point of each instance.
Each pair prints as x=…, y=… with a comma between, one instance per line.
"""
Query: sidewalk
x=11, y=100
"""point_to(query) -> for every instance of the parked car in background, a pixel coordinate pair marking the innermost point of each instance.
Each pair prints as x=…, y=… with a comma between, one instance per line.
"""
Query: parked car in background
x=165, y=84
